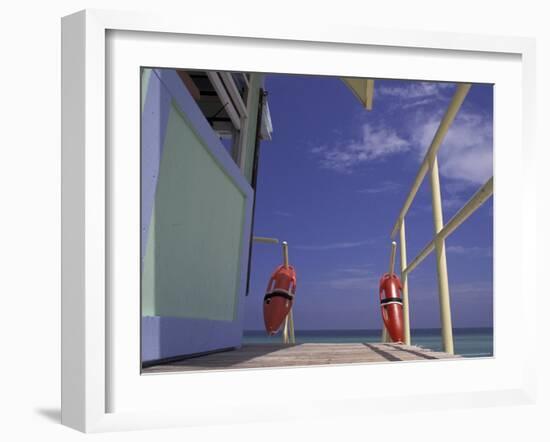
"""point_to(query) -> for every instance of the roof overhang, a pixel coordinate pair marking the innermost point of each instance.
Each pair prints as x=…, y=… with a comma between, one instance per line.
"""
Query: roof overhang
x=362, y=88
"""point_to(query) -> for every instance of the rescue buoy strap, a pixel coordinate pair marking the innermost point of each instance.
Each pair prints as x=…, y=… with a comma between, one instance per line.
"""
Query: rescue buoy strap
x=279, y=293
x=392, y=300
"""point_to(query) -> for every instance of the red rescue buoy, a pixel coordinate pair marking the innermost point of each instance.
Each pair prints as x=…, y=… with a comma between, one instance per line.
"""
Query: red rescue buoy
x=279, y=297
x=391, y=305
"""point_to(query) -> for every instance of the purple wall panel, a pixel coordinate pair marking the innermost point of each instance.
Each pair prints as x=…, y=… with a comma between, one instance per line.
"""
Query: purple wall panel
x=164, y=337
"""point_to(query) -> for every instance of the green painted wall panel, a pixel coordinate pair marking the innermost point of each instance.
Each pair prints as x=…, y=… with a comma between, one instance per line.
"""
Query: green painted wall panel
x=191, y=265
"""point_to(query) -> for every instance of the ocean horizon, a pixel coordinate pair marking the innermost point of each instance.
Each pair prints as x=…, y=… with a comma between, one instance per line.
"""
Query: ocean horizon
x=469, y=341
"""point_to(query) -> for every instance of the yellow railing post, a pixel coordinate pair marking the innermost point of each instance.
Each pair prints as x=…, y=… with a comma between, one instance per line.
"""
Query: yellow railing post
x=441, y=262
x=285, y=253
x=429, y=163
x=385, y=337
x=291, y=327
x=474, y=203
x=446, y=121
x=288, y=330
x=285, y=331
x=392, y=257
x=404, y=282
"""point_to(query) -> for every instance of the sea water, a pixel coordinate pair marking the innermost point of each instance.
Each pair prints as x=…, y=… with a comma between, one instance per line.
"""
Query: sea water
x=469, y=342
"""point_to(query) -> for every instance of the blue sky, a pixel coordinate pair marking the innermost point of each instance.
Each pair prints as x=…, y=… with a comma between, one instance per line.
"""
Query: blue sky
x=332, y=181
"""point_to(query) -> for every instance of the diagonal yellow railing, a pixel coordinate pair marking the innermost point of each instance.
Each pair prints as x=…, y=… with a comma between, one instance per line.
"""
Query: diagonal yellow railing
x=442, y=231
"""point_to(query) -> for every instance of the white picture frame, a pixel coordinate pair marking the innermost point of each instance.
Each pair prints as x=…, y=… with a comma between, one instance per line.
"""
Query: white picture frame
x=89, y=322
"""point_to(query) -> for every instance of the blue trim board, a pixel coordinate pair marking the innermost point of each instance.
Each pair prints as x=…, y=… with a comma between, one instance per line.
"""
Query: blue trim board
x=165, y=337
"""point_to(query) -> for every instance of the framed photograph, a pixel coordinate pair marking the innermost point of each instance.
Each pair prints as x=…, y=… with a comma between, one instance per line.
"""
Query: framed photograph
x=234, y=202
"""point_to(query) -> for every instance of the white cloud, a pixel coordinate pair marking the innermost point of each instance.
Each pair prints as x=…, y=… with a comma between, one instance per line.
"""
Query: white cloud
x=473, y=289
x=353, y=278
x=383, y=187
x=375, y=143
x=452, y=202
x=474, y=250
x=414, y=94
x=353, y=283
x=333, y=246
x=413, y=89
x=466, y=153
x=356, y=270
x=460, y=250
x=416, y=103
x=462, y=291
x=456, y=187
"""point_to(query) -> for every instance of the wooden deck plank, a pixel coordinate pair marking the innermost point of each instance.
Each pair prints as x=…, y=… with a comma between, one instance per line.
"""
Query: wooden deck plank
x=281, y=355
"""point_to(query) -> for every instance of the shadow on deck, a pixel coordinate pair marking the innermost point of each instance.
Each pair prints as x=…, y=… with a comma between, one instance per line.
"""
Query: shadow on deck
x=310, y=354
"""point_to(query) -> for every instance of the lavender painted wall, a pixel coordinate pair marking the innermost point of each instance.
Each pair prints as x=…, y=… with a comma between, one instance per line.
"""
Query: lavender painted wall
x=163, y=336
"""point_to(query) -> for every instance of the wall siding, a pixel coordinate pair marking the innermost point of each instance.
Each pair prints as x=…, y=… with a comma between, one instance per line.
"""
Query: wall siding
x=197, y=230
x=199, y=216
